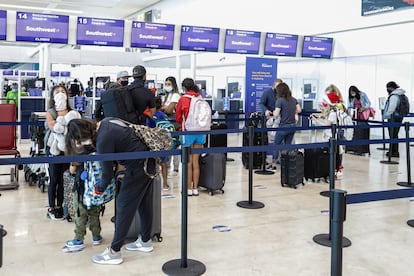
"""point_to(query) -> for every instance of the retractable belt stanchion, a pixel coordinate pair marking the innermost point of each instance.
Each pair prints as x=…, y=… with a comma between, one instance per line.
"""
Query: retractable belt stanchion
x=263, y=170
x=325, y=239
x=338, y=217
x=388, y=161
x=2, y=234
x=407, y=150
x=250, y=204
x=332, y=162
x=383, y=131
x=184, y=266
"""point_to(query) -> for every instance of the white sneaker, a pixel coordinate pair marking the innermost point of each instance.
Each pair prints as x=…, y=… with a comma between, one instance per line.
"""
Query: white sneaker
x=139, y=245
x=108, y=258
x=195, y=192
x=190, y=192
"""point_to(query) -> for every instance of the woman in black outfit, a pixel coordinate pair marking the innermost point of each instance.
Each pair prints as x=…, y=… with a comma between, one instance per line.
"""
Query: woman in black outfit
x=112, y=136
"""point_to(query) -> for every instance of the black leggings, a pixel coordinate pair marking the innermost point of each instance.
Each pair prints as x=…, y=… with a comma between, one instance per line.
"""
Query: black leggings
x=136, y=192
x=55, y=189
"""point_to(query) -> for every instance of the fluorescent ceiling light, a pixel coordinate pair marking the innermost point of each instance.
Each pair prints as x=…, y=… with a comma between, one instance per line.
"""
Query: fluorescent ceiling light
x=40, y=9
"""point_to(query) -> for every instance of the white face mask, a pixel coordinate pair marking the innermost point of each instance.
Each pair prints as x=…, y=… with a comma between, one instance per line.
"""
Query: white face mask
x=60, y=101
x=168, y=88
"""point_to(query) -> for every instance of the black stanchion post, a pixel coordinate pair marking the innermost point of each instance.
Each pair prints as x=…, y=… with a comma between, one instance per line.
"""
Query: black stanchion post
x=383, y=131
x=407, y=154
x=250, y=204
x=184, y=266
x=332, y=163
x=338, y=218
x=388, y=161
x=264, y=154
x=226, y=116
x=325, y=239
x=2, y=234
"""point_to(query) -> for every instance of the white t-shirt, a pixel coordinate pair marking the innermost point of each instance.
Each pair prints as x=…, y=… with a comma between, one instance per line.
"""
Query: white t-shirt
x=172, y=98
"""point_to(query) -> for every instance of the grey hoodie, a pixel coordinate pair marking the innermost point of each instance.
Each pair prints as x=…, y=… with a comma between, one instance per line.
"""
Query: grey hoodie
x=392, y=103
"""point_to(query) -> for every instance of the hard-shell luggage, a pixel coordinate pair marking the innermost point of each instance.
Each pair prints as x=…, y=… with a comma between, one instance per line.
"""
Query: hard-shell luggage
x=359, y=134
x=212, y=172
x=317, y=164
x=135, y=228
x=217, y=140
x=291, y=168
x=259, y=139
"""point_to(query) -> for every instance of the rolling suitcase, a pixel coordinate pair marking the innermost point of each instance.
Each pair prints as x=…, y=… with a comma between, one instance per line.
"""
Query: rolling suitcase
x=291, y=168
x=317, y=164
x=135, y=229
x=212, y=172
x=257, y=156
x=359, y=134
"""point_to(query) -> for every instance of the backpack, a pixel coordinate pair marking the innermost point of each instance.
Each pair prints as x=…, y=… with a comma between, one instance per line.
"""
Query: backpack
x=162, y=121
x=344, y=120
x=117, y=102
x=403, y=107
x=199, y=114
x=92, y=175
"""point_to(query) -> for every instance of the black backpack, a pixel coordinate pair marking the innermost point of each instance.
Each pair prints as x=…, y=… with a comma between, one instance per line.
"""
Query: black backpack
x=117, y=102
x=403, y=106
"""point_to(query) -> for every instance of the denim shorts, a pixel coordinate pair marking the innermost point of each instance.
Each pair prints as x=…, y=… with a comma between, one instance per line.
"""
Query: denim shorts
x=196, y=139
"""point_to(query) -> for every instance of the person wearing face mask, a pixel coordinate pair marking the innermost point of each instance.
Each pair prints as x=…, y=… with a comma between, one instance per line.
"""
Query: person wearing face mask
x=358, y=100
x=58, y=106
x=171, y=98
x=12, y=96
x=122, y=78
x=391, y=114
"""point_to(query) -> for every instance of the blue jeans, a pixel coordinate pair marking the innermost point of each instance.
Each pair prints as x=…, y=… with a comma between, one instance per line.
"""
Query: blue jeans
x=285, y=136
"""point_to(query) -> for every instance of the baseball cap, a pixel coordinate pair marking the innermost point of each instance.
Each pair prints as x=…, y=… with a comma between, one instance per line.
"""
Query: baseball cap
x=392, y=84
x=138, y=71
x=122, y=74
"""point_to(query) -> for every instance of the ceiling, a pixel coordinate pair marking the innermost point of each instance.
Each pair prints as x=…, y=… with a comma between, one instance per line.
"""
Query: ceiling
x=113, y=9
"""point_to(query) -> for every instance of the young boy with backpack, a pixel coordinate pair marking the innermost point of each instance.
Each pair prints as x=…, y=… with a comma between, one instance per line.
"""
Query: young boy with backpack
x=161, y=120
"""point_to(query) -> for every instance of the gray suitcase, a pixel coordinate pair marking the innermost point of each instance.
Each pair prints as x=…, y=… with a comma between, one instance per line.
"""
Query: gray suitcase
x=135, y=228
x=212, y=172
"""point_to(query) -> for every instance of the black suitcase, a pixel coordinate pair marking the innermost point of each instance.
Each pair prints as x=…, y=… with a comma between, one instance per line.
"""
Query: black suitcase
x=212, y=172
x=291, y=168
x=257, y=156
x=217, y=140
x=135, y=229
x=317, y=164
x=359, y=134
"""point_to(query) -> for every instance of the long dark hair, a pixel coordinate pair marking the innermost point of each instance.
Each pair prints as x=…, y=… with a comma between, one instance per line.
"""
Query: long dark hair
x=52, y=94
x=188, y=84
x=174, y=84
x=81, y=137
x=356, y=90
x=283, y=91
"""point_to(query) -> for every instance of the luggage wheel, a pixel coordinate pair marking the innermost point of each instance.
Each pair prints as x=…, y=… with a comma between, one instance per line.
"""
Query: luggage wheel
x=158, y=237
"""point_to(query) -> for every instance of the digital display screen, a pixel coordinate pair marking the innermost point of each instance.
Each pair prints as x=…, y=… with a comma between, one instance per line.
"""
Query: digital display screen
x=99, y=31
x=243, y=42
x=199, y=38
x=281, y=44
x=31, y=74
x=65, y=74
x=152, y=35
x=317, y=47
x=36, y=27
x=54, y=73
x=7, y=72
x=3, y=24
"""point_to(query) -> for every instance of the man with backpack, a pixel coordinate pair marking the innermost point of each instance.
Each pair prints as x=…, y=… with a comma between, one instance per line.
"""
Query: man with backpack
x=396, y=107
x=130, y=102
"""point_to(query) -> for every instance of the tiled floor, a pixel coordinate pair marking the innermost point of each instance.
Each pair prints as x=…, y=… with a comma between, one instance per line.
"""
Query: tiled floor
x=274, y=240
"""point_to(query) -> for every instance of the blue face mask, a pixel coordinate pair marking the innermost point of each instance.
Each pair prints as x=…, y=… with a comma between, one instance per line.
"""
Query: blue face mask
x=14, y=89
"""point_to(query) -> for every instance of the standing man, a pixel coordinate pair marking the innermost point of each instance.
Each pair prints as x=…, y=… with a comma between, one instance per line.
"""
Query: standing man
x=391, y=114
x=142, y=97
x=13, y=95
x=122, y=78
x=268, y=99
